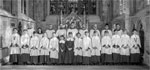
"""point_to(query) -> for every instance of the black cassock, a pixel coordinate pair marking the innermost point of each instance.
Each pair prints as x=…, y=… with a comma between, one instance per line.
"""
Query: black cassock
x=62, y=50
x=69, y=52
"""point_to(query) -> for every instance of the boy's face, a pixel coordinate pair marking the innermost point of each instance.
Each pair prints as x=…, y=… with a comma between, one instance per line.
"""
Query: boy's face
x=78, y=35
x=15, y=31
x=50, y=26
x=70, y=35
x=61, y=38
x=87, y=34
x=106, y=27
x=134, y=32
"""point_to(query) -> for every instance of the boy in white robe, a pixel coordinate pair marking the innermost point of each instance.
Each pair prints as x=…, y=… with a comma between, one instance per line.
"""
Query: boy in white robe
x=44, y=50
x=40, y=33
x=106, y=29
x=54, y=49
x=25, y=53
x=50, y=31
x=135, y=48
x=73, y=30
x=34, y=48
x=94, y=29
x=106, y=50
x=86, y=49
x=96, y=48
x=15, y=47
x=82, y=31
x=116, y=44
x=125, y=46
x=119, y=30
x=61, y=31
x=78, y=49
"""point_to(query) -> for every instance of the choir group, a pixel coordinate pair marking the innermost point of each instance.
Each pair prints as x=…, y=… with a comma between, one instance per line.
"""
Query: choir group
x=73, y=46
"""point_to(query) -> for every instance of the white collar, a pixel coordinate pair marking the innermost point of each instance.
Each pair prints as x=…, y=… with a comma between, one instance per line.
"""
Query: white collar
x=61, y=41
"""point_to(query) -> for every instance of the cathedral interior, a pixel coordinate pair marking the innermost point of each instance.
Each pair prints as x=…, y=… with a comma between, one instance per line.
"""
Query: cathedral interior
x=129, y=14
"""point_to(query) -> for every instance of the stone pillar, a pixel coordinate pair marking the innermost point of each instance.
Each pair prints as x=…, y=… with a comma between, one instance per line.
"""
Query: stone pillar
x=97, y=7
x=19, y=7
x=27, y=7
x=48, y=7
x=126, y=12
x=1, y=3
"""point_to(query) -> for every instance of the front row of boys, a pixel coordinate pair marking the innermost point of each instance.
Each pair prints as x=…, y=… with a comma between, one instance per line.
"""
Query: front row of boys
x=86, y=50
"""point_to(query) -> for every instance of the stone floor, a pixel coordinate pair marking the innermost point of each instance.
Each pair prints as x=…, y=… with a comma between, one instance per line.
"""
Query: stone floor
x=71, y=67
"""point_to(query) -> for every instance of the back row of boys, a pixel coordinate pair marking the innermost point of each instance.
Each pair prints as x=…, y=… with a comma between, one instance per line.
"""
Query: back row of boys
x=80, y=47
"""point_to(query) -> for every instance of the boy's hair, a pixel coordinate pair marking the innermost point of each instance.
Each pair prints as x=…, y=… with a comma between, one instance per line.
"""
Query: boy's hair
x=70, y=33
x=77, y=33
x=134, y=30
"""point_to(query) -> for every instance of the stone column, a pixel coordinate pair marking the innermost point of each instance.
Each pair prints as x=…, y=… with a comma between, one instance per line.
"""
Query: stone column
x=19, y=7
x=27, y=7
x=48, y=7
x=97, y=7
x=1, y=3
x=126, y=12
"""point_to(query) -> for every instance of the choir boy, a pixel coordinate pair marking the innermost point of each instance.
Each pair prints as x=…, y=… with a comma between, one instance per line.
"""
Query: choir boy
x=106, y=29
x=61, y=31
x=40, y=33
x=86, y=49
x=62, y=49
x=78, y=49
x=69, y=49
x=106, y=51
x=44, y=50
x=125, y=46
x=82, y=31
x=15, y=47
x=50, y=31
x=73, y=30
x=54, y=49
x=94, y=29
x=25, y=52
x=116, y=44
x=135, y=48
x=119, y=30
x=34, y=48
x=96, y=48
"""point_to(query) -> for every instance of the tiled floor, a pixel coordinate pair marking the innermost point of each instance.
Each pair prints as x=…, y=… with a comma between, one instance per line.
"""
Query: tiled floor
x=67, y=67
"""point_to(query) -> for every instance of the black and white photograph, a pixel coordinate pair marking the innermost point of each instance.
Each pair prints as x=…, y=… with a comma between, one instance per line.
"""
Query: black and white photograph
x=74, y=34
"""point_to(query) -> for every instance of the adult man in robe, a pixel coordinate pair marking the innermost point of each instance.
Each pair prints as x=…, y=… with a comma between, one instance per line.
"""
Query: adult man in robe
x=106, y=50
x=142, y=39
x=25, y=53
x=106, y=29
x=54, y=49
x=86, y=49
x=125, y=47
x=116, y=44
x=44, y=50
x=15, y=47
x=94, y=29
x=61, y=31
x=96, y=48
x=83, y=30
x=78, y=49
x=34, y=48
x=73, y=30
x=69, y=49
x=135, y=48
x=50, y=31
